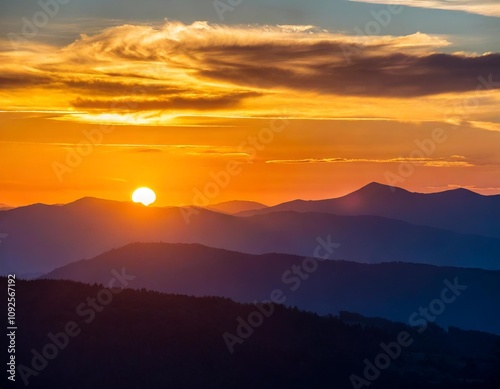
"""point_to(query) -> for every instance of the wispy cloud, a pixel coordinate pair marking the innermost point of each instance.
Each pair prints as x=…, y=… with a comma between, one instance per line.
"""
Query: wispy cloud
x=490, y=126
x=201, y=103
x=480, y=7
x=185, y=149
x=474, y=188
x=453, y=161
x=138, y=74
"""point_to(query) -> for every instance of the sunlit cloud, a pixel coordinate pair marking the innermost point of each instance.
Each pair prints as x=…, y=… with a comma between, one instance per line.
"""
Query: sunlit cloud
x=474, y=188
x=480, y=7
x=184, y=149
x=150, y=75
x=453, y=161
x=201, y=103
x=489, y=126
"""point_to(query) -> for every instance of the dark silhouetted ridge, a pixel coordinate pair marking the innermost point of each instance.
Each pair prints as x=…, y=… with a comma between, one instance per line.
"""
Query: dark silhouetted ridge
x=145, y=339
x=389, y=290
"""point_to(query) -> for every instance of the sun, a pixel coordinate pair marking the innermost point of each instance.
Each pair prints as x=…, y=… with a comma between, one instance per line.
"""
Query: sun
x=144, y=195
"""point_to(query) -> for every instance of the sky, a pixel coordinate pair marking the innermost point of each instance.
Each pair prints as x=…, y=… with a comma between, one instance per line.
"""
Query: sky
x=210, y=101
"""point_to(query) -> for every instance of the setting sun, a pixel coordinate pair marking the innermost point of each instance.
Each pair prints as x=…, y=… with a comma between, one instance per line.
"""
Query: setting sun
x=328, y=207
x=144, y=195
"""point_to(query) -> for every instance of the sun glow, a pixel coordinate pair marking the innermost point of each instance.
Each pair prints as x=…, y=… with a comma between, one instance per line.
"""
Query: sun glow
x=144, y=195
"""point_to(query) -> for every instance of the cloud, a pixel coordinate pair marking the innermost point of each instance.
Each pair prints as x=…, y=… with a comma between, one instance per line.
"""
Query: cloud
x=19, y=80
x=473, y=188
x=480, y=7
x=198, y=68
x=281, y=57
x=299, y=59
x=453, y=161
x=175, y=103
x=148, y=150
x=389, y=75
x=489, y=126
x=111, y=87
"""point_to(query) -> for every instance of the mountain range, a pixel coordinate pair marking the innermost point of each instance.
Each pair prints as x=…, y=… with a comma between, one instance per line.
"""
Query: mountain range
x=458, y=210
x=391, y=290
x=44, y=237
x=425, y=264
x=145, y=339
x=236, y=206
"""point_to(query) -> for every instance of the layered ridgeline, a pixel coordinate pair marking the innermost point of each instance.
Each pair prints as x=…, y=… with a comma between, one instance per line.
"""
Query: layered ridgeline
x=236, y=206
x=410, y=293
x=141, y=339
x=458, y=210
x=41, y=237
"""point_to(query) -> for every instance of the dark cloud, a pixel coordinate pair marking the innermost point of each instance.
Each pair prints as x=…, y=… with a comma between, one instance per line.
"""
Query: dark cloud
x=364, y=74
x=117, y=88
x=200, y=56
x=20, y=80
x=389, y=67
x=177, y=103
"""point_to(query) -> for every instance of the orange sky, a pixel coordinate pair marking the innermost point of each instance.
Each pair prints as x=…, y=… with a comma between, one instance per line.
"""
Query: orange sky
x=307, y=159
x=170, y=107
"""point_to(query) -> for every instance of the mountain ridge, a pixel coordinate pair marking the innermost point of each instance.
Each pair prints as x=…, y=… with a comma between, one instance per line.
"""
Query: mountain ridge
x=459, y=210
x=235, y=206
x=389, y=290
x=62, y=234
x=298, y=349
x=380, y=227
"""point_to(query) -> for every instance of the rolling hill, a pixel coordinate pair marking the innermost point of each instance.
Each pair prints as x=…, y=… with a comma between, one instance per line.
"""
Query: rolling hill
x=390, y=290
x=144, y=339
x=42, y=237
x=458, y=210
x=236, y=206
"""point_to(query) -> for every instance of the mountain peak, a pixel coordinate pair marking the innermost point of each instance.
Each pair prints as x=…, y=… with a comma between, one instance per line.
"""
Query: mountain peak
x=378, y=188
x=98, y=200
x=89, y=200
x=236, y=206
x=463, y=192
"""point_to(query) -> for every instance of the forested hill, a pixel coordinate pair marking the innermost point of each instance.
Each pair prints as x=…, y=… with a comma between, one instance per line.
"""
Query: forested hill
x=143, y=339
